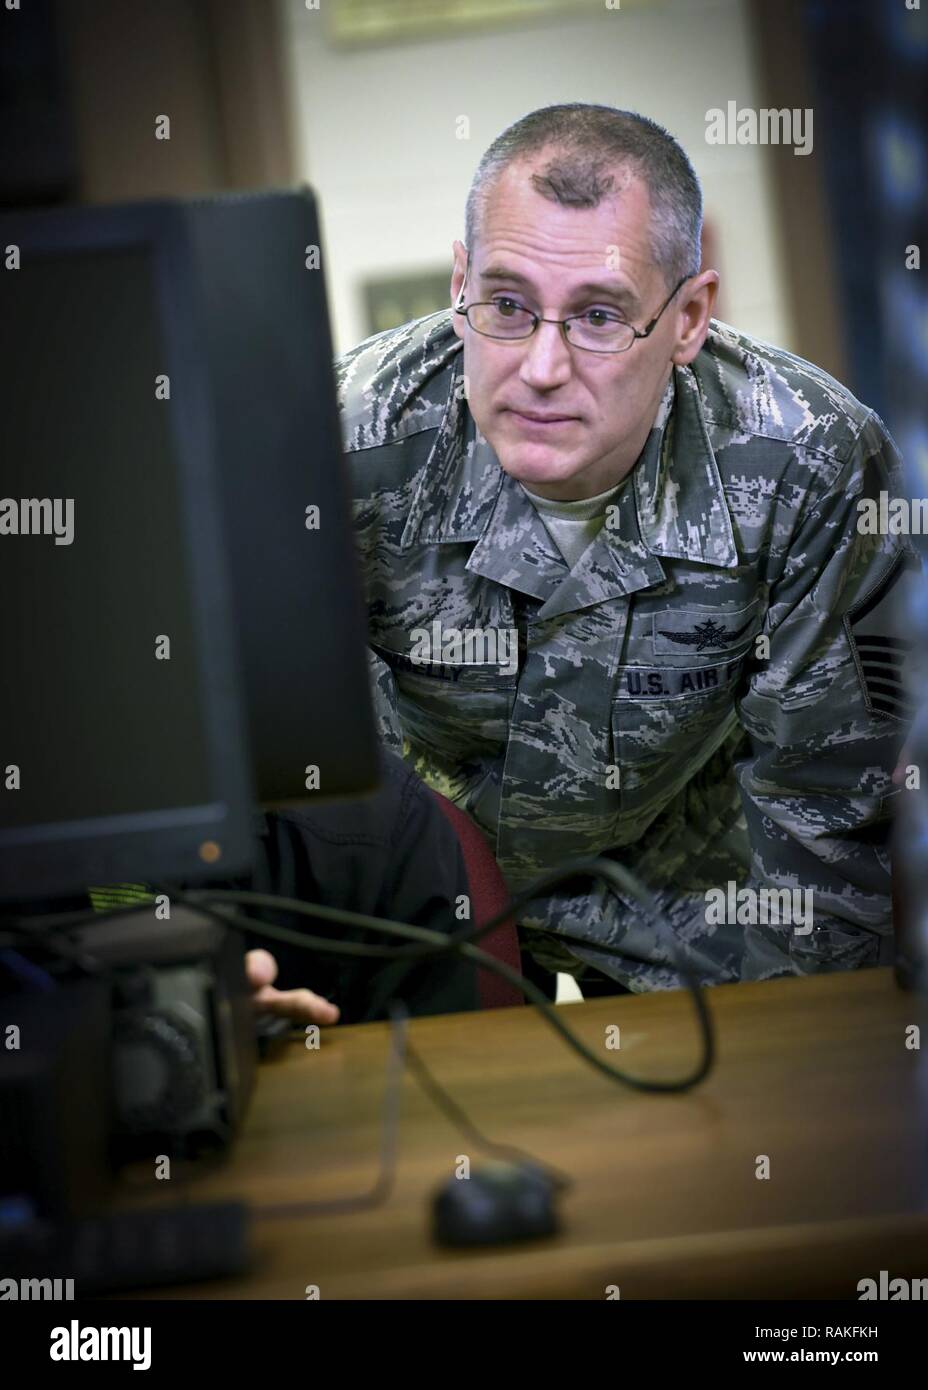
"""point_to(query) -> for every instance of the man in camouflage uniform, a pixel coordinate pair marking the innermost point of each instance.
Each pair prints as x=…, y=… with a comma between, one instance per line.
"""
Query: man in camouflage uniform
x=703, y=677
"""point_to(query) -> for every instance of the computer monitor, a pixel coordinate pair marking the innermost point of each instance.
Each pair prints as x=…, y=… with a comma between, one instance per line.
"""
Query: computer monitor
x=182, y=637
x=300, y=618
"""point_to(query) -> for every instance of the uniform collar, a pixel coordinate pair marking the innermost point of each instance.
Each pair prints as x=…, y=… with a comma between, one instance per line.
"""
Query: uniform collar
x=675, y=509
x=682, y=510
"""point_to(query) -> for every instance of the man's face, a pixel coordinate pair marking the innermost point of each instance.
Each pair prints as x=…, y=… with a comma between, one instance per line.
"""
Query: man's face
x=566, y=422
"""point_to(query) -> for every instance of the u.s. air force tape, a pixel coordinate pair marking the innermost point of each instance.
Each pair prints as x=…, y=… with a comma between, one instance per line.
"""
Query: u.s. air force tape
x=651, y=683
x=873, y=627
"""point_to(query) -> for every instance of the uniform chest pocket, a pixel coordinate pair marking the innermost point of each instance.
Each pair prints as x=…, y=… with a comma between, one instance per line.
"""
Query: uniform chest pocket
x=666, y=722
x=455, y=709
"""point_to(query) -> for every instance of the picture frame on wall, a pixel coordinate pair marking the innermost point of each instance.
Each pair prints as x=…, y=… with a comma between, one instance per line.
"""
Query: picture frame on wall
x=397, y=299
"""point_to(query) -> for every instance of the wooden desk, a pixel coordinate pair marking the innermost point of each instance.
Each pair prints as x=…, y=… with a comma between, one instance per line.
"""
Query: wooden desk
x=812, y=1072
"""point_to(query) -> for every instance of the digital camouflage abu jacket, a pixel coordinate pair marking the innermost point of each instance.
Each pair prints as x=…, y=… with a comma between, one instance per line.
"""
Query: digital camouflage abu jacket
x=644, y=719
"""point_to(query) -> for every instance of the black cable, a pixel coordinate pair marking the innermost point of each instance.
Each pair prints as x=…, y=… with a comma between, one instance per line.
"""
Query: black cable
x=615, y=874
x=81, y=917
x=424, y=944
x=429, y=943
x=202, y=901
x=597, y=866
x=403, y=1053
x=458, y=1117
x=430, y=1085
x=389, y=1131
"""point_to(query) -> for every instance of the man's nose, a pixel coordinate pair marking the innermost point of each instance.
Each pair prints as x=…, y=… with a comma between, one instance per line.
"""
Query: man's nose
x=547, y=361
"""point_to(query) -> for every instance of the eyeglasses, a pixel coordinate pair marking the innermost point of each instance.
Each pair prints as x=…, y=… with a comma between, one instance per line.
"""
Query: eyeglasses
x=596, y=330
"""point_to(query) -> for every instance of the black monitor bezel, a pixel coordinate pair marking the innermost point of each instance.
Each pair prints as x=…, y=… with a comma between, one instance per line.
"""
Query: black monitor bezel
x=63, y=857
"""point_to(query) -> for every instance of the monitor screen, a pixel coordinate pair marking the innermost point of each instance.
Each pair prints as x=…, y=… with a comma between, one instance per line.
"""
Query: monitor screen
x=183, y=626
x=100, y=705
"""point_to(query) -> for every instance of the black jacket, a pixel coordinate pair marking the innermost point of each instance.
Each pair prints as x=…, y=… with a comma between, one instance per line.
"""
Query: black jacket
x=391, y=854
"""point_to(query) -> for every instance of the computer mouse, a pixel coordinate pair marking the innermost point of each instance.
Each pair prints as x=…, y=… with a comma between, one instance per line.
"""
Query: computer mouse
x=499, y=1202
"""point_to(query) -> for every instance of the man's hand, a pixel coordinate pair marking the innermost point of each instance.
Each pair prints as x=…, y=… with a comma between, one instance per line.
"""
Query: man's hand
x=301, y=1005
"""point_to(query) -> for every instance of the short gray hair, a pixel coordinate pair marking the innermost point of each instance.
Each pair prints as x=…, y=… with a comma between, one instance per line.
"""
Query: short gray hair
x=587, y=143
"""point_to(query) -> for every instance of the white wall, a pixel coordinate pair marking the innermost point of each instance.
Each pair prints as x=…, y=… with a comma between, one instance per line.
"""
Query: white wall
x=376, y=134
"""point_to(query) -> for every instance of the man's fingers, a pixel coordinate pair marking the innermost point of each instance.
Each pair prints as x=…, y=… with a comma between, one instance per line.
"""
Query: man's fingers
x=301, y=1005
x=260, y=968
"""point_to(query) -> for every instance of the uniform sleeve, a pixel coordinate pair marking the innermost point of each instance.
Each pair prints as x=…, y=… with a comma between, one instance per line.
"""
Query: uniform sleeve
x=824, y=714
x=386, y=709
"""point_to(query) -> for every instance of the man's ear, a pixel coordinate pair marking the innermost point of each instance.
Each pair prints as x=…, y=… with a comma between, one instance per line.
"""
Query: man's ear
x=458, y=278
x=693, y=316
x=459, y=273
